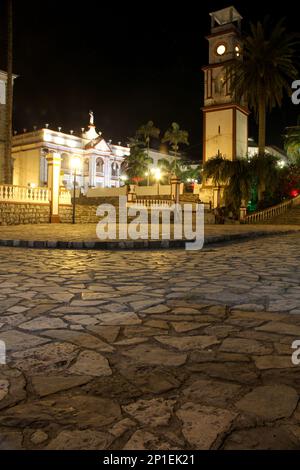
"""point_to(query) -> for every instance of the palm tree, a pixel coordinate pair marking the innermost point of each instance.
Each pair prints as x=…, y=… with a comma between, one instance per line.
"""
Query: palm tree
x=234, y=175
x=147, y=132
x=266, y=70
x=136, y=164
x=264, y=169
x=176, y=136
x=214, y=169
x=8, y=164
x=170, y=167
x=292, y=143
x=190, y=172
x=239, y=177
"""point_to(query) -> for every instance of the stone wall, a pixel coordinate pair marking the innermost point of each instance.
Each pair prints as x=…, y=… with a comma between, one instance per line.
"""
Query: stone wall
x=17, y=213
x=84, y=214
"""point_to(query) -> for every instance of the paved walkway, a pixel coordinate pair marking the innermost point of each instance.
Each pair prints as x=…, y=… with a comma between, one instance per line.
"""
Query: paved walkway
x=161, y=350
x=84, y=236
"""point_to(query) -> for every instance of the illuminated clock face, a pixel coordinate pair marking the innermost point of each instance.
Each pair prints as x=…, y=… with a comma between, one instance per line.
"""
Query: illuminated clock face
x=221, y=49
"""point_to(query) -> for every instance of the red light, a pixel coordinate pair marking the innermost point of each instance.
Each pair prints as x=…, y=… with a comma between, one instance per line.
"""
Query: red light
x=294, y=192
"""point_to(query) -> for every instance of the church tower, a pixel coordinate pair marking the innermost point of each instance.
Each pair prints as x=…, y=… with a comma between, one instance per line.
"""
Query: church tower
x=225, y=121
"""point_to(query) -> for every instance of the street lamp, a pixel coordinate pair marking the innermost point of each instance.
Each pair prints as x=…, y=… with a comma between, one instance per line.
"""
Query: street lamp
x=75, y=165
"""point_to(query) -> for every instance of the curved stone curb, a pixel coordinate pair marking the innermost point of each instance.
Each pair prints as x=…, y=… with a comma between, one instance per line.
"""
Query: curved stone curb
x=138, y=244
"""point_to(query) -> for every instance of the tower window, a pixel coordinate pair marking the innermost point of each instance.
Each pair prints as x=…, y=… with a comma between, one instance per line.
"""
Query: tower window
x=219, y=130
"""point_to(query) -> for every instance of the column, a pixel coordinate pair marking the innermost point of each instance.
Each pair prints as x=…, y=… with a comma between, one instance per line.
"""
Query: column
x=175, y=189
x=43, y=169
x=92, y=171
x=54, y=164
x=107, y=173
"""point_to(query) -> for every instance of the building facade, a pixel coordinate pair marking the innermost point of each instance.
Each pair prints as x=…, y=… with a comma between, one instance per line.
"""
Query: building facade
x=100, y=161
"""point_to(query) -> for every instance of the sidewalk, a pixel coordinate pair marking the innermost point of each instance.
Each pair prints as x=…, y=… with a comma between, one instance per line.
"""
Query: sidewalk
x=85, y=237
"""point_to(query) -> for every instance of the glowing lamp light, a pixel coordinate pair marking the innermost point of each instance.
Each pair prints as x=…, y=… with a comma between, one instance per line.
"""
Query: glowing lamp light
x=237, y=51
x=124, y=178
x=281, y=164
x=156, y=173
x=295, y=192
x=75, y=163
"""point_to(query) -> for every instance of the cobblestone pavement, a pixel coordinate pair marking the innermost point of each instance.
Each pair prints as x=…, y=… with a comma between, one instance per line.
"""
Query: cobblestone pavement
x=154, y=350
x=87, y=232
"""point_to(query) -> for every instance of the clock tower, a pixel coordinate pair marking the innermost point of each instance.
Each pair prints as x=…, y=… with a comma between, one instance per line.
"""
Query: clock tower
x=225, y=121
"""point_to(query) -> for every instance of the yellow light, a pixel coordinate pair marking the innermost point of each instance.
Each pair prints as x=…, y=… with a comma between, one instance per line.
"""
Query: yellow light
x=157, y=173
x=124, y=178
x=75, y=163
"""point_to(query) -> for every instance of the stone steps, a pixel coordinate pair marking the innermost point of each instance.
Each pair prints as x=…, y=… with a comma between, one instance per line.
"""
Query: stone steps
x=291, y=217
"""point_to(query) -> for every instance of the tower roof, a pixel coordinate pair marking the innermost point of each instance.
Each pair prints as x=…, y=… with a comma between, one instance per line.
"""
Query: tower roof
x=226, y=16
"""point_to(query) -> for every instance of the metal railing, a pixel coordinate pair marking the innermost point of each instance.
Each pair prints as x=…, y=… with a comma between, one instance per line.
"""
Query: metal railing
x=271, y=212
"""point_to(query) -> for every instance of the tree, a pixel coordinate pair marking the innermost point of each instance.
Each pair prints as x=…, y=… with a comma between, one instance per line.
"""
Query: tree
x=190, y=172
x=292, y=143
x=179, y=168
x=264, y=169
x=176, y=136
x=214, y=169
x=8, y=162
x=136, y=164
x=264, y=70
x=147, y=132
x=170, y=167
x=239, y=177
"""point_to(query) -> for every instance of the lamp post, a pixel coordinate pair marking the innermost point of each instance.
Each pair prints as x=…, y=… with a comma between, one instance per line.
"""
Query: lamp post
x=75, y=165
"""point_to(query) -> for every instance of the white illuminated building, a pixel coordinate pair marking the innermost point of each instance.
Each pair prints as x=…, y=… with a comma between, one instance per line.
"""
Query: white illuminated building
x=100, y=160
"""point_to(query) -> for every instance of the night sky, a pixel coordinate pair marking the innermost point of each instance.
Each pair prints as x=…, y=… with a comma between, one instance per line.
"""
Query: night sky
x=129, y=62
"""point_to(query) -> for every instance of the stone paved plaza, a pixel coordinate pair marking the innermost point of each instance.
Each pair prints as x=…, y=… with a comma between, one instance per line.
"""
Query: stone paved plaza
x=151, y=350
x=87, y=232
